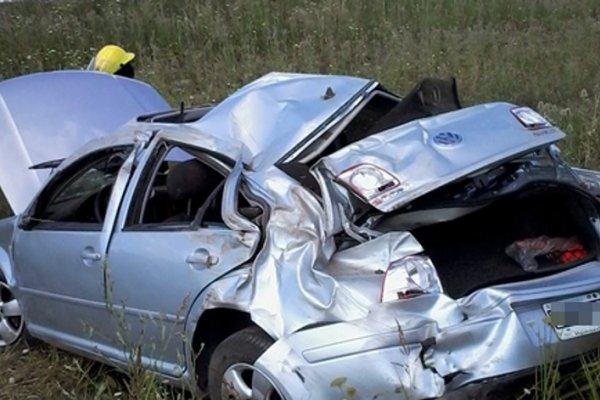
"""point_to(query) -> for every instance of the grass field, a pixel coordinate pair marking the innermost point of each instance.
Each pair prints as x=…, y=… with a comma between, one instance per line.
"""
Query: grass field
x=542, y=53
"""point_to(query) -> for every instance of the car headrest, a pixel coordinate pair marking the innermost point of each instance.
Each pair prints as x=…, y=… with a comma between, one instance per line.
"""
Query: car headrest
x=429, y=97
x=188, y=179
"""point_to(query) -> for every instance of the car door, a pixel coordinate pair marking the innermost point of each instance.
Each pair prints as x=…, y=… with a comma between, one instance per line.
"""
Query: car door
x=59, y=250
x=171, y=245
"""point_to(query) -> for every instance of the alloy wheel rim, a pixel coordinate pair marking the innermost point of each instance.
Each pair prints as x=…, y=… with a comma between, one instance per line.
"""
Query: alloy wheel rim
x=11, y=318
x=243, y=381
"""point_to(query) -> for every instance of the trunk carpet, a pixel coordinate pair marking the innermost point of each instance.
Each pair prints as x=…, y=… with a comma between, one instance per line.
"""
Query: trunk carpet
x=469, y=253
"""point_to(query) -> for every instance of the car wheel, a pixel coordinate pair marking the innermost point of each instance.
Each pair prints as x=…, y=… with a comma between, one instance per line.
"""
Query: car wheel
x=12, y=325
x=231, y=373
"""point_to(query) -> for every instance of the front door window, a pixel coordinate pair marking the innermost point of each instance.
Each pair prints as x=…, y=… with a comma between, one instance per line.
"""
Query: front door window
x=78, y=198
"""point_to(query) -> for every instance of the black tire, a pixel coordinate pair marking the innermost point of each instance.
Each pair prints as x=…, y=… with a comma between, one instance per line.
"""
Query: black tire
x=244, y=346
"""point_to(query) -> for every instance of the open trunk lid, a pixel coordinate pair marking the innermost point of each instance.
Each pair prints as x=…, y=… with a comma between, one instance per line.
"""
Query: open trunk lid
x=47, y=116
x=390, y=169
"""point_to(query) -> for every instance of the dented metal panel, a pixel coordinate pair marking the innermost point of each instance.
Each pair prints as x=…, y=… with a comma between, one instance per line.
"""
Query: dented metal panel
x=298, y=264
x=432, y=345
x=421, y=156
x=279, y=111
x=320, y=301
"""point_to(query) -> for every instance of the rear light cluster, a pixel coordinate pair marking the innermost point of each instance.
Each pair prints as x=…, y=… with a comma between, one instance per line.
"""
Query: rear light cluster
x=530, y=119
x=368, y=181
x=410, y=277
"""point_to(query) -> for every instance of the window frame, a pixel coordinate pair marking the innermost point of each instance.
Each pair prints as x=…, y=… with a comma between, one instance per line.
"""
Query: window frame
x=145, y=182
x=58, y=183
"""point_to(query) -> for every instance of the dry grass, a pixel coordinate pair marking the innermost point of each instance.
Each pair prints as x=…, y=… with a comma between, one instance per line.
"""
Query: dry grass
x=542, y=53
x=43, y=372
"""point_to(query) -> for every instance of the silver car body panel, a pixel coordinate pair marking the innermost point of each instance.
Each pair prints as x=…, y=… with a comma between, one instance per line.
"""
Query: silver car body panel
x=49, y=115
x=278, y=111
x=297, y=248
x=79, y=292
x=159, y=324
x=429, y=153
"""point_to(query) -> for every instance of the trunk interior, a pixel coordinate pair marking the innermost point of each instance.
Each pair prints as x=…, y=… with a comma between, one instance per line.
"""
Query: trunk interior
x=469, y=252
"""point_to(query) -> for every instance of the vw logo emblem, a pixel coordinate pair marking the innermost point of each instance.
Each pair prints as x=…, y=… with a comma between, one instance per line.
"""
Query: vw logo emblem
x=447, y=139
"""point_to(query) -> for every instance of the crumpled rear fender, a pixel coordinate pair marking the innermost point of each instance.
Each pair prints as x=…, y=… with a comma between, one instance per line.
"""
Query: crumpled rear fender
x=390, y=371
x=431, y=345
x=377, y=357
x=223, y=293
x=505, y=330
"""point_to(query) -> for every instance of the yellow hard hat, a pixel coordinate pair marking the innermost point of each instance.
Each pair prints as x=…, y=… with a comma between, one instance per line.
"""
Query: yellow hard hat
x=111, y=58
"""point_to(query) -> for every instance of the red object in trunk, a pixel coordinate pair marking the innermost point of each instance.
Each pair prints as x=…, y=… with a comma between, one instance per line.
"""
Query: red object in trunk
x=561, y=250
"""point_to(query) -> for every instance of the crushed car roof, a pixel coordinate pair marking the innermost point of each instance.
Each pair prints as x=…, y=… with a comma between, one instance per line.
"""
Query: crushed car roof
x=270, y=116
x=278, y=111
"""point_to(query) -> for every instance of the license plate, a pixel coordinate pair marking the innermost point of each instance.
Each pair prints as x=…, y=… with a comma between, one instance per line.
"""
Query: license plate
x=566, y=332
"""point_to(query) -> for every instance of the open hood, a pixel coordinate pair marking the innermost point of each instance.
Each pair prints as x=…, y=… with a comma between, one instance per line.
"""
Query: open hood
x=279, y=111
x=392, y=168
x=47, y=116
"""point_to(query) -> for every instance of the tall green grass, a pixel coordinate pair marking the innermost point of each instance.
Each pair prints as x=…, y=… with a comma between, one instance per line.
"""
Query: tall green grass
x=542, y=53
x=43, y=372
x=199, y=51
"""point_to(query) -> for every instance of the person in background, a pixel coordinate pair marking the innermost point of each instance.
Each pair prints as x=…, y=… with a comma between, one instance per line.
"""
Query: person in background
x=113, y=59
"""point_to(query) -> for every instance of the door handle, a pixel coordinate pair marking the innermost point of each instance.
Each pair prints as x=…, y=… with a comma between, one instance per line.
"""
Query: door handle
x=89, y=254
x=201, y=258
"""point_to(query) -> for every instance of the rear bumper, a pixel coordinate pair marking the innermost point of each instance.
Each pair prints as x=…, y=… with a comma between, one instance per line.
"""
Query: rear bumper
x=507, y=386
x=433, y=346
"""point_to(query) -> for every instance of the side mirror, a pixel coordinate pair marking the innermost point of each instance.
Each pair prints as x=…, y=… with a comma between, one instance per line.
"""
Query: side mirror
x=25, y=223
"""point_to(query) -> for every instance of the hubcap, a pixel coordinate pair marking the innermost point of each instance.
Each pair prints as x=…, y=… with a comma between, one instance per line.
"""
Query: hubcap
x=11, y=320
x=243, y=381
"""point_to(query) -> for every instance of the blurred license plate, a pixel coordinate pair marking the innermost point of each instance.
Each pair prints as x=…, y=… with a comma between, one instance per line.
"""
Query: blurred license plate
x=578, y=310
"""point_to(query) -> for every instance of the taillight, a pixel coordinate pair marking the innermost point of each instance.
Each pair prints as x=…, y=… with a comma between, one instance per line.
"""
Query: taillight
x=368, y=181
x=410, y=277
x=530, y=119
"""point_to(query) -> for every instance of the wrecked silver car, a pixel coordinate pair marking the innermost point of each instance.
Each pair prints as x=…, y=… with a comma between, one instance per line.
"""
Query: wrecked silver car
x=309, y=237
